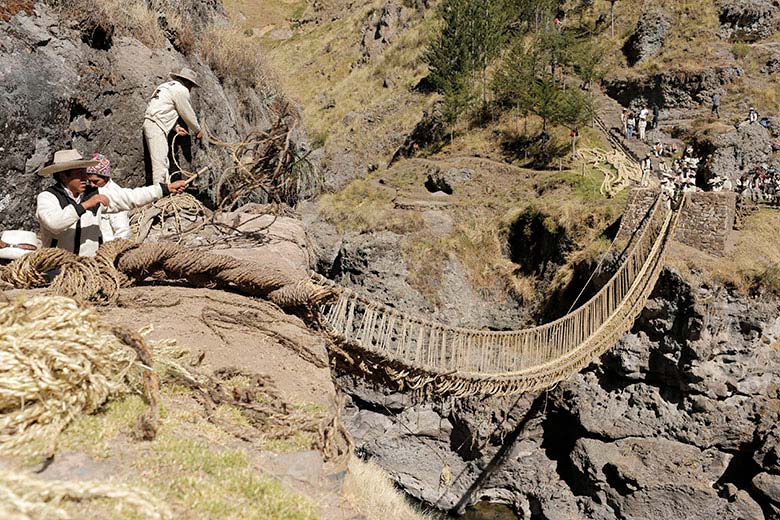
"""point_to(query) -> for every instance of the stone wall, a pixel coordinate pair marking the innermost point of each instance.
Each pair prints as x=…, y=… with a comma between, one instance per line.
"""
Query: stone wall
x=706, y=221
x=640, y=200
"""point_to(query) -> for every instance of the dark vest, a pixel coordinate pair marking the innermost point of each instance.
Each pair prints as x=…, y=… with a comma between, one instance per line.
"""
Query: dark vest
x=65, y=200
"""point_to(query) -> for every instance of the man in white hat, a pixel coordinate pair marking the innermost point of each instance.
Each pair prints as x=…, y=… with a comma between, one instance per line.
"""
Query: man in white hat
x=69, y=214
x=170, y=101
x=17, y=243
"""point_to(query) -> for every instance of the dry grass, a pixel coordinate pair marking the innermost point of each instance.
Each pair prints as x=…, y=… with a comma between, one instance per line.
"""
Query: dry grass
x=365, y=207
x=752, y=266
x=230, y=54
x=190, y=463
x=368, y=489
x=10, y=7
x=125, y=17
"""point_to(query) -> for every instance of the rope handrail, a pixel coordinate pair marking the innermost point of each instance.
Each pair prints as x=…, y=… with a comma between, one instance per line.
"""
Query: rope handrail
x=467, y=361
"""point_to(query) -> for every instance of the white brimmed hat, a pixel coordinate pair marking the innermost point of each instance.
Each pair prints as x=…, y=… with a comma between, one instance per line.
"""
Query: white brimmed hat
x=15, y=239
x=66, y=160
x=188, y=74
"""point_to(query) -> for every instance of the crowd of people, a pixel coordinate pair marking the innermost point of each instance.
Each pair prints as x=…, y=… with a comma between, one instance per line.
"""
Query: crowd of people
x=84, y=207
x=636, y=124
x=761, y=184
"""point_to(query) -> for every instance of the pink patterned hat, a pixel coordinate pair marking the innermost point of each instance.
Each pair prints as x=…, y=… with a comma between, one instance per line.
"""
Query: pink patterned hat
x=103, y=167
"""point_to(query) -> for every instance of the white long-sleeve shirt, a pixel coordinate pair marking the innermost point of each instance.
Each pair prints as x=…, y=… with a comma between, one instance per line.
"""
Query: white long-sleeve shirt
x=169, y=101
x=79, y=230
x=115, y=225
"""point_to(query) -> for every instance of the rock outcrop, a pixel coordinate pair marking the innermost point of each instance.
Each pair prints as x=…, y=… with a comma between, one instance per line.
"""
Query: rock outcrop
x=649, y=35
x=730, y=152
x=678, y=421
x=748, y=20
x=70, y=82
x=672, y=89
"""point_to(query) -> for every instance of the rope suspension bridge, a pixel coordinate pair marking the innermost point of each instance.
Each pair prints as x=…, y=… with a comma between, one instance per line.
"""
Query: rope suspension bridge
x=421, y=355
x=414, y=353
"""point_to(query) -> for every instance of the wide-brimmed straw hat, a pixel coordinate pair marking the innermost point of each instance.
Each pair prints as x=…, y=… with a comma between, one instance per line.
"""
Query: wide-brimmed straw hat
x=66, y=160
x=15, y=239
x=187, y=74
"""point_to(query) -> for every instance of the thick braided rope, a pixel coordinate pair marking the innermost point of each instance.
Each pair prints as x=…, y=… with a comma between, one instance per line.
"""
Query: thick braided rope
x=98, y=279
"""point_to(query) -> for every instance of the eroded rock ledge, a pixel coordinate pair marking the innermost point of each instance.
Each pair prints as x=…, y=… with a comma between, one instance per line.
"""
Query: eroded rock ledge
x=677, y=421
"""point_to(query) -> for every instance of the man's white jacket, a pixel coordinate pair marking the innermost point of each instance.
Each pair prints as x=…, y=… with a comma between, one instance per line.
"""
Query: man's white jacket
x=169, y=101
x=66, y=224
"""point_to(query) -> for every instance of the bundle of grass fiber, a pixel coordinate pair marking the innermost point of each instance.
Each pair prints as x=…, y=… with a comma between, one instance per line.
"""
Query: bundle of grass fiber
x=57, y=361
x=23, y=497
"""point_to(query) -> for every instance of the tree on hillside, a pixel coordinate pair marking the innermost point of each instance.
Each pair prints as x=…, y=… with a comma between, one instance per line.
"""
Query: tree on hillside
x=527, y=82
x=472, y=34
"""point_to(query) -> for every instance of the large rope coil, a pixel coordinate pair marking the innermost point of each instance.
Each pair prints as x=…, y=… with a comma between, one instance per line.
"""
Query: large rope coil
x=619, y=170
x=120, y=263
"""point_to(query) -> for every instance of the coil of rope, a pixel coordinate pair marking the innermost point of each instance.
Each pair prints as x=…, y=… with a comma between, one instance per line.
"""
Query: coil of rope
x=618, y=169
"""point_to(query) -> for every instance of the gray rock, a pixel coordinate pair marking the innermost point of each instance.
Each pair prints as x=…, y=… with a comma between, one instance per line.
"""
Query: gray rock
x=768, y=487
x=651, y=478
x=380, y=30
x=61, y=92
x=649, y=36
x=446, y=182
x=748, y=20
x=735, y=151
x=670, y=89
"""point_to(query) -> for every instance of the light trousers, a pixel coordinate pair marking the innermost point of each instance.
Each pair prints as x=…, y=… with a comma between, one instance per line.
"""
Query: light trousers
x=157, y=144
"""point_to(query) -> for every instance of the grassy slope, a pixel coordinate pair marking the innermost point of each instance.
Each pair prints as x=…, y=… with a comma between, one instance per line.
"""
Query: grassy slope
x=320, y=63
x=319, y=70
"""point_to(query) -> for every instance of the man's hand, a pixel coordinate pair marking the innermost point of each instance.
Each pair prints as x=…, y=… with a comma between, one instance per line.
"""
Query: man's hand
x=94, y=200
x=181, y=131
x=200, y=135
x=177, y=187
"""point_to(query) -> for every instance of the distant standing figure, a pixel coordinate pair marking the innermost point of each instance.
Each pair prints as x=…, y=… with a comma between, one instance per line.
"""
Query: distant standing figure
x=752, y=115
x=630, y=125
x=716, y=105
x=170, y=101
x=643, y=123
x=647, y=168
x=624, y=120
x=656, y=116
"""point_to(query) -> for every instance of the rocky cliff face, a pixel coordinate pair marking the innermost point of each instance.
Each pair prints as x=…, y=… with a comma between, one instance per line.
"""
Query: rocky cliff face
x=71, y=81
x=679, y=420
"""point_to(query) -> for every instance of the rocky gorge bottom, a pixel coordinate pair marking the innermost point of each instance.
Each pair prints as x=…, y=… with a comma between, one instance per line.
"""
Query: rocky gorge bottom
x=678, y=421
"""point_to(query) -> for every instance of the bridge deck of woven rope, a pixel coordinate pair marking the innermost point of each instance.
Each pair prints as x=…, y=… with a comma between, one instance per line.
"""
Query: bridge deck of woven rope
x=432, y=357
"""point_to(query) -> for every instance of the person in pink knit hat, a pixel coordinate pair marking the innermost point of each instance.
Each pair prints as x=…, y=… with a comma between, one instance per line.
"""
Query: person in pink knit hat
x=112, y=225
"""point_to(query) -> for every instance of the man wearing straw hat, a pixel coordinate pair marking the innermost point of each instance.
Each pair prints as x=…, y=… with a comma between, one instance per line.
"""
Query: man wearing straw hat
x=69, y=213
x=170, y=101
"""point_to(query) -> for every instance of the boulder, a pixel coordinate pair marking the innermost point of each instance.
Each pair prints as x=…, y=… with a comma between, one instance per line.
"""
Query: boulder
x=649, y=36
x=653, y=478
x=768, y=486
x=446, y=182
x=731, y=152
